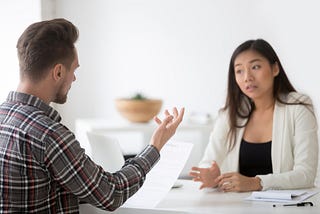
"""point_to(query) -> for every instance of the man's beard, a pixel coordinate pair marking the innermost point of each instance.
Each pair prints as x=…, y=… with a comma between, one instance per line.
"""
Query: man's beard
x=61, y=97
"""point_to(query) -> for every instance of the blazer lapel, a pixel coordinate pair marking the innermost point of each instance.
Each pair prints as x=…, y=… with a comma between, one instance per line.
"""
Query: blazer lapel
x=277, y=136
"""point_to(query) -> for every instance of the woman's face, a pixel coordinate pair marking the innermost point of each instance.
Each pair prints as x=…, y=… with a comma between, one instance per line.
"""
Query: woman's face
x=255, y=75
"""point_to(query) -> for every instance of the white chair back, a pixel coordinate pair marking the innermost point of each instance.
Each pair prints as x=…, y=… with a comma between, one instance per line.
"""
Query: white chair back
x=106, y=151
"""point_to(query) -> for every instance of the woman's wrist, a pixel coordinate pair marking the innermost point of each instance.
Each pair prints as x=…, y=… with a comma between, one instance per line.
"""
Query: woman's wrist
x=257, y=183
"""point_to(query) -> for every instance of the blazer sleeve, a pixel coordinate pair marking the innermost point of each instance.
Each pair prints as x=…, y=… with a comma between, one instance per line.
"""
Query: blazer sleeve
x=301, y=133
x=217, y=148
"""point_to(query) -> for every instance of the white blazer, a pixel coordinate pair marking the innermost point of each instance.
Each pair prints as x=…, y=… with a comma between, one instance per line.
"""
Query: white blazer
x=294, y=149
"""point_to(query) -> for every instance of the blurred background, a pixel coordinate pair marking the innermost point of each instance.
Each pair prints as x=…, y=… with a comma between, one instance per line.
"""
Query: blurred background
x=174, y=50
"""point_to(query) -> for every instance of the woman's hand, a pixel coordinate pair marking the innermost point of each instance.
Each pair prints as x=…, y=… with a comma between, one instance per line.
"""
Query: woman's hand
x=206, y=175
x=166, y=128
x=235, y=182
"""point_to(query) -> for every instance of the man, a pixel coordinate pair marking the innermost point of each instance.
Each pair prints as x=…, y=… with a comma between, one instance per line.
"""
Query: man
x=43, y=169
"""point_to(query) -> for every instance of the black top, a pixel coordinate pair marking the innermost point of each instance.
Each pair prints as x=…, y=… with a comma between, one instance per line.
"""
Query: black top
x=255, y=158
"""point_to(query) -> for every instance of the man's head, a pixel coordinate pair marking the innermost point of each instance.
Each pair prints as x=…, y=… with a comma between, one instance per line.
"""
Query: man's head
x=47, y=48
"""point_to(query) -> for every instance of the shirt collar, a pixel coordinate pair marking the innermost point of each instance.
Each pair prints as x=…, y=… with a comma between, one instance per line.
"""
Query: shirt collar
x=28, y=99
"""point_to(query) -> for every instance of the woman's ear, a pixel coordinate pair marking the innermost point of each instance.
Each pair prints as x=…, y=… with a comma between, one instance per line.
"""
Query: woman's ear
x=275, y=69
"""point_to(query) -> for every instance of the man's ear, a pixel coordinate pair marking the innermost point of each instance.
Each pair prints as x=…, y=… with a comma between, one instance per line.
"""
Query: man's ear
x=57, y=72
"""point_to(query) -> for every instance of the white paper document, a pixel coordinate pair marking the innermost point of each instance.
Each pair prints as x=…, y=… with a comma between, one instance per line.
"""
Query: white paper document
x=162, y=176
x=283, y=196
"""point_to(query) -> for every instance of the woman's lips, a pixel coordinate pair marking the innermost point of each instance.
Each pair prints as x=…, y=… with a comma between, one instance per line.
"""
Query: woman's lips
x=250, y=87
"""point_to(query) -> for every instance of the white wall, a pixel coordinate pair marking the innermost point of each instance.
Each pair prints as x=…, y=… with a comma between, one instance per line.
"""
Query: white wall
x=179, y=50
x=15, y=16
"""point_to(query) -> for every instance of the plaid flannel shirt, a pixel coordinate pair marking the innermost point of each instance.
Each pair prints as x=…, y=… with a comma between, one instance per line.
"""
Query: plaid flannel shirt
x=43, y=169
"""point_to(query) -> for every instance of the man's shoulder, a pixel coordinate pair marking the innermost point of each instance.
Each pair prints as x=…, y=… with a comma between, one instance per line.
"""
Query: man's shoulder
x=30, y=120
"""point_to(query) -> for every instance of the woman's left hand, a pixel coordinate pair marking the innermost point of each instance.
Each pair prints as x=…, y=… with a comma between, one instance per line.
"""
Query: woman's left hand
x=235, y=182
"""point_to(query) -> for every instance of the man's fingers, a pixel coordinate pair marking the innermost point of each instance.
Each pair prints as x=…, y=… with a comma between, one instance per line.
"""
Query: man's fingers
x=181, y=115
x=157, y=120
x=167, y=120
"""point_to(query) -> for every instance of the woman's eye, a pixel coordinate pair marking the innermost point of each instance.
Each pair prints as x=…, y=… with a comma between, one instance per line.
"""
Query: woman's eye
x=238, y=71
x=255, y=67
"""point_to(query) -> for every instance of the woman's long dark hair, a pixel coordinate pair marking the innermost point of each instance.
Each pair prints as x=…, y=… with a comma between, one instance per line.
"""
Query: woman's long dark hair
x=237, y=103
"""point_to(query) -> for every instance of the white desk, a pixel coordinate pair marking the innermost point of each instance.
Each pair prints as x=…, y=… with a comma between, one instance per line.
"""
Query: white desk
x=189, y=199
x=133, y=137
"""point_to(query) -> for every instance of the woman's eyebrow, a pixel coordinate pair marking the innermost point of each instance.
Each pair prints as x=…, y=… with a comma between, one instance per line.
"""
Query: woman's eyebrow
x=251, y=61
x=254, y=60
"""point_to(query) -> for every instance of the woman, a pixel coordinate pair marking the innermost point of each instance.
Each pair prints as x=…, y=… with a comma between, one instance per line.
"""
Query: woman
x=265, y=137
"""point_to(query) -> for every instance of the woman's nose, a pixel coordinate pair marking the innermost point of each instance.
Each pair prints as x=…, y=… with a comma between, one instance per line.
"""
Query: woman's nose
x=248, y=76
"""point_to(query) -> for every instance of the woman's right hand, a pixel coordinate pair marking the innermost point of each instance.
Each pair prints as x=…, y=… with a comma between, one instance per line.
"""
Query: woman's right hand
x=206, y=175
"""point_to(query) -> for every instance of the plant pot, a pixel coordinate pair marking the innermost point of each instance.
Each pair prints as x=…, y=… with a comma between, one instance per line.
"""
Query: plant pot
x=138, y=111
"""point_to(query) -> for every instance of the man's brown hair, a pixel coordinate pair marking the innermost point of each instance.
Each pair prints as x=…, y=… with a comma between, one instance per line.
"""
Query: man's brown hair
x=43, y=45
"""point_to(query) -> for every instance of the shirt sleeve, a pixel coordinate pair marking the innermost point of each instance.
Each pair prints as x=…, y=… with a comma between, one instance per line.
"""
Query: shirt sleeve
x=77, y=173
